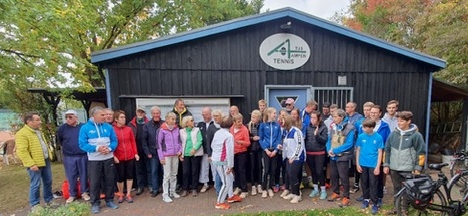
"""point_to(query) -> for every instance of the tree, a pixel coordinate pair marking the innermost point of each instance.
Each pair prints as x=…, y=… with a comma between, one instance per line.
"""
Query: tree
x=436, y=27
x=48, y=43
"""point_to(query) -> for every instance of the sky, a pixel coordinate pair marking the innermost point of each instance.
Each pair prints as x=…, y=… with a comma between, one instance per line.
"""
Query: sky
x=322, y=8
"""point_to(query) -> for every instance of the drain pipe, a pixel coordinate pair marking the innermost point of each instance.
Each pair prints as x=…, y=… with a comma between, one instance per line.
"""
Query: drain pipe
x=428, y=117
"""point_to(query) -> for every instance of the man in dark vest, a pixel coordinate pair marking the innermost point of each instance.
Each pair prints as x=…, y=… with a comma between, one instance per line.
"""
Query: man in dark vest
x=141, y=170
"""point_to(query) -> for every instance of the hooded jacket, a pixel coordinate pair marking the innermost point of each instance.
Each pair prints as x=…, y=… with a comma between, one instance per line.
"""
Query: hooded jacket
x=270, y=135
x=126, y=145
x=243, y=135
x=94, y=135
x=405, y=150
x=169, y=143
x=391, y=121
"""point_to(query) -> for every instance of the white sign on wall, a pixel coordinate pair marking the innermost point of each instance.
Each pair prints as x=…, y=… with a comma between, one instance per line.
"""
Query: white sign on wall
x=284, y=51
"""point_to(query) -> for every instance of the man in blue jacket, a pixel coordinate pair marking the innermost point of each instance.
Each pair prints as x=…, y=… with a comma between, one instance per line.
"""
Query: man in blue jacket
x=98, y=139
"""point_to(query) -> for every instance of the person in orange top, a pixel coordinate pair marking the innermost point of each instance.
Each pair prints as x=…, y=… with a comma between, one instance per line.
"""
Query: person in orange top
x=124, y=155
x=241, y=145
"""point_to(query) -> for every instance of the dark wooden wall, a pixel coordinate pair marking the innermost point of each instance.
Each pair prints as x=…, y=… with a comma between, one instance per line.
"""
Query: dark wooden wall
x=229, y=64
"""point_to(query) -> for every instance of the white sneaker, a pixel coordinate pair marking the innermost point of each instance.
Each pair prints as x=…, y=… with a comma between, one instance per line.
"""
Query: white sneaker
x=254, y=191
x=204, y=188
x=296, y=199
x=70, y=200
x=264, y=194
x=85, y=196
x=270, y=193
x=289, y=196
x=237, y=191
x=167, y=199
x=175, y=195
x=243, y=195
x=259, y=189
x=285, y=192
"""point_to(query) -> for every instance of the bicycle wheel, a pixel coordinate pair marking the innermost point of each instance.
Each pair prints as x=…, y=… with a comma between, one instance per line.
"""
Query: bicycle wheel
x=458, y=186
x=403, y=207
x=458, y=167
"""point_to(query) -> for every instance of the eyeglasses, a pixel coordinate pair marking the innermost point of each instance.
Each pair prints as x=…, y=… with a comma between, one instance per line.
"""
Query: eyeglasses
x=69, y=117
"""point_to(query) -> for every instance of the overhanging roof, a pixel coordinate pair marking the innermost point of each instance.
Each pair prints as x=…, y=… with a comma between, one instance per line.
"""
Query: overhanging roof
x=113, y=53
x=97, y=96
x=443, y=91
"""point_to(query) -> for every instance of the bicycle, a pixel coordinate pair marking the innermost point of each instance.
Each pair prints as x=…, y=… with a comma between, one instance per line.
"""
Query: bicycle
x=458, y=164
x=421, y=195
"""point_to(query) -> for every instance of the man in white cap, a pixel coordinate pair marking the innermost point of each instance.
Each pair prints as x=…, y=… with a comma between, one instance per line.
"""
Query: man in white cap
x=142, y=178
x=289, y=105
x=75, y=160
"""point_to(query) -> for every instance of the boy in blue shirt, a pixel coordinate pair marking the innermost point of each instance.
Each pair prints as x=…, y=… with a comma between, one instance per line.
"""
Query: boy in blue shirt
x=370, y=145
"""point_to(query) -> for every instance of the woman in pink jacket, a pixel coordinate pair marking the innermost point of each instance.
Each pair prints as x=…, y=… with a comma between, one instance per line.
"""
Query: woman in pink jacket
x=241, y=145
x=169, y=151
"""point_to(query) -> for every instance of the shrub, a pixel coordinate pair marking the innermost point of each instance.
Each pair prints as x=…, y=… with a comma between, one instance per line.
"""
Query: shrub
x=75, y=208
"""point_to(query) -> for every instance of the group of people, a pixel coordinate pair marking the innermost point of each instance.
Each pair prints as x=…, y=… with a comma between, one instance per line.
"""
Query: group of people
x=272, y=146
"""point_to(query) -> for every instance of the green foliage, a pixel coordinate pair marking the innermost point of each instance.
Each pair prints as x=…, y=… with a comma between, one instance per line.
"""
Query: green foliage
x=75, y=208
x=48, y=43
x=439, y=28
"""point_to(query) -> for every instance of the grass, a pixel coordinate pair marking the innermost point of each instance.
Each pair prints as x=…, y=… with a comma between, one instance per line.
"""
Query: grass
x=14, y=185
x=348, y=211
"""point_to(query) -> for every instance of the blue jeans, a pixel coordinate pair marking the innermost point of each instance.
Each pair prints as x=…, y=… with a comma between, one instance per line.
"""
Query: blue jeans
x=154, y=166
x=44, y=174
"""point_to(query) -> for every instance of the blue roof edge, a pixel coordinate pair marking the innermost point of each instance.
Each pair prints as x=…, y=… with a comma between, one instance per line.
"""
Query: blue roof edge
x=112, y=53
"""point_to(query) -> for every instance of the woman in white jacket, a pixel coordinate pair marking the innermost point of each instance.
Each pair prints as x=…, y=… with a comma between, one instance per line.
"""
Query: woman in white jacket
x=295, y=155
x=223, y=159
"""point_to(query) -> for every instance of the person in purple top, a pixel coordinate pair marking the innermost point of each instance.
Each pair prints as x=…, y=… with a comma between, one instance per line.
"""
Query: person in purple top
x=169, y=152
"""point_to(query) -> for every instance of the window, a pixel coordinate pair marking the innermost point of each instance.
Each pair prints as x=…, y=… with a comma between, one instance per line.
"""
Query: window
x=194, y=105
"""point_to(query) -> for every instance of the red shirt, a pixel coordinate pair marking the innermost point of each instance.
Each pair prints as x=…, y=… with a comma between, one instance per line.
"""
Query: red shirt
x=242, y=135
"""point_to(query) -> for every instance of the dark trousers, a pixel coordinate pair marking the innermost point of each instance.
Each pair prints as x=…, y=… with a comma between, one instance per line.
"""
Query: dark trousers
x=397, y=180
x=191, y=172
x=294, y=170
x=155, y=172
x=369, y=184
x=269, y=167
x=76, y=167
x=339, y=170
x=280, y=171
x=106, y=169
x=255, y=167
x=240, y=174
x=380, y=181
x=141, y=171
x=286, y=176
x=316, y=164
